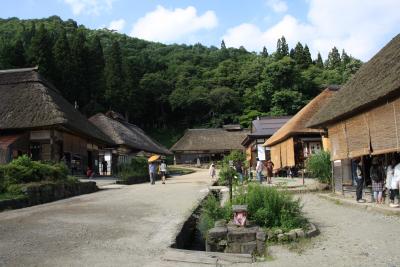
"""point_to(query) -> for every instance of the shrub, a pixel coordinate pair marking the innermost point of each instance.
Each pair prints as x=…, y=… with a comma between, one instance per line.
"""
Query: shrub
x=227, y=171
x=319, y=165
x=269, y=207
x=25, y=170
x=212, y=211
x=137, y=167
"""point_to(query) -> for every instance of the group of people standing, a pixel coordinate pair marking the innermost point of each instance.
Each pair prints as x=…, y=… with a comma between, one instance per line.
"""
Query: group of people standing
x=155, y=169
x=382, y=180
x=261, y=168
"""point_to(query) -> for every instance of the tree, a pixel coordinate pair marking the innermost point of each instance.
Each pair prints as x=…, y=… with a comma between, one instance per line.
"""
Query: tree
x=298, y=54
x=286, y=102
x=282, y=48
x=345, y=59
x=41, y=48
x=223, y=46
x=307, y=60
x=114, y=77
x=333, y=61
x=319, y=63
x=18, y=56
x=264, y=52
x=64, y=72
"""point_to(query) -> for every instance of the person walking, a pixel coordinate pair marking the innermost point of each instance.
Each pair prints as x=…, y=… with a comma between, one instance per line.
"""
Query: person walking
x=392, y=182
x=104, y=164
x=259, y=170
x=376, y=173
x=270, y=169
x=163, y=171
x=212, y=171
x=360, y=181
x=152, y=172
x=239, y=170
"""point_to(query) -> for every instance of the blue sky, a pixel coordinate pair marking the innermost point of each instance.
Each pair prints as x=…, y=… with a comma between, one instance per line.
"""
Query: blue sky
x=361, y=27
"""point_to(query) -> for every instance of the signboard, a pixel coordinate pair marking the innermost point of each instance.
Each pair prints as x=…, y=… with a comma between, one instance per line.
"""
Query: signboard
x=260, y=152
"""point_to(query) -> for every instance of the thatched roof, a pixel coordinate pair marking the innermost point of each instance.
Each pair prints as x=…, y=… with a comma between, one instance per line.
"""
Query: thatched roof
x=212, y=140
x=265, y=127
x=124, y=133
x=28, y=101
x=297, y=124
x=375, y=82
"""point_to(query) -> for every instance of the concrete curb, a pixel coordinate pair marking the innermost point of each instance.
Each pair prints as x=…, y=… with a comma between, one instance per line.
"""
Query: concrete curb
x=360, y=206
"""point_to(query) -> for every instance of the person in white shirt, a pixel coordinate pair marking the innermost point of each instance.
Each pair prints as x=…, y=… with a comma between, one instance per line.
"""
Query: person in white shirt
x=163, y=171
x=392, y=181
x=212, y=171
x=259, y=170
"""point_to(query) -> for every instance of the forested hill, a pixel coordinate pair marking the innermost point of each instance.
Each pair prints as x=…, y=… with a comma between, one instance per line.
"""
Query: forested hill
x=169, y=86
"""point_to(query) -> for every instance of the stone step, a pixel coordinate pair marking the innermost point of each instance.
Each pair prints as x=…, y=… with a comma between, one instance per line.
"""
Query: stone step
x=209, y=258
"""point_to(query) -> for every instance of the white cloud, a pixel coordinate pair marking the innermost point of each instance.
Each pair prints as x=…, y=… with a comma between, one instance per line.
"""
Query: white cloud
x=90, y=7
x=166, y=25
x=117, y=25
x=277, y=6
x=358, y=26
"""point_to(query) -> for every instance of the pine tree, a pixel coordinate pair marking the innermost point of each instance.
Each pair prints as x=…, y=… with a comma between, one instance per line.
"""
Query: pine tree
x=284, y=47
x=223, y=46
x=307, y=60
x=264, y=52
x=18, y=56
x=114, y=76
x=333, y=61
x=292, y=53
x=345, y=59
x=41, y=49
x=96, y=70
x=62, y=59
x=299, y=54
x=319, y=63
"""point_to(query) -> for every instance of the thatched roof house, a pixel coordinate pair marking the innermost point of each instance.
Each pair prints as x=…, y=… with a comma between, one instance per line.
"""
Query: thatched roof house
x=208, y=144
x=35, y=119
x=127, y=135
x=294, y=141
x=261, y=129
x=362, y=119
x=28, y=101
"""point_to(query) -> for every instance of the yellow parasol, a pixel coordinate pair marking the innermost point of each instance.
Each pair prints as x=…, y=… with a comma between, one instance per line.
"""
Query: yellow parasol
x=154, y=158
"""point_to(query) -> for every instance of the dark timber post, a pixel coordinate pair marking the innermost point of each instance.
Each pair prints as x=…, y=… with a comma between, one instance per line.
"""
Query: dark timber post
x=230, y=187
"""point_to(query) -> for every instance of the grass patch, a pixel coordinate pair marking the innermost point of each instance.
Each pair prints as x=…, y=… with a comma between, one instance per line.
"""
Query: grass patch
x=8, y=195
x=174, y=170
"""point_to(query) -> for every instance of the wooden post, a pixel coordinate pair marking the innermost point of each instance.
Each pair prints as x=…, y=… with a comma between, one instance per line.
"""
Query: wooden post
x=230, y=187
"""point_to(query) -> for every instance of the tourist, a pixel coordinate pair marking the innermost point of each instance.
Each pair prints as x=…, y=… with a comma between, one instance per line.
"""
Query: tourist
x=212, y=171
x=152, y=172
x=239, y=170
x=163, y=171
x=376, y=174
x=360, y=181
x=259, y=170
x=89, y=172
x=392, y=182
x=270, y=168
x=104, y=164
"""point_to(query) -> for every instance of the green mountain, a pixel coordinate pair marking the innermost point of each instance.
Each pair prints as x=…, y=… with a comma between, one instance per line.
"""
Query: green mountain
x=168, y=86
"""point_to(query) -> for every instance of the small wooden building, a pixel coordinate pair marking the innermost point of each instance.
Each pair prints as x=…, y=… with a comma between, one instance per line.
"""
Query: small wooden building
x=205, y=145
x=363, y=118
x=36, y=120
x=129, y=139
x=293, y=143
x=261, y=129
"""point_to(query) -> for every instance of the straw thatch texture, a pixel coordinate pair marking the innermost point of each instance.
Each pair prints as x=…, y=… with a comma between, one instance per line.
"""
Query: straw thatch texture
x=375, y=82
x=297, y=124
x=125, y=133
x=210, y=140
x=29, y=101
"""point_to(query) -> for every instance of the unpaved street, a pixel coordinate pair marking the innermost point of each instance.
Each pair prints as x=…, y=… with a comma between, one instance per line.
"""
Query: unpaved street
x=134, y=225
x=349, y=237
x=130, y=226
